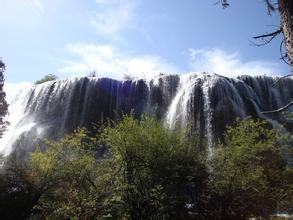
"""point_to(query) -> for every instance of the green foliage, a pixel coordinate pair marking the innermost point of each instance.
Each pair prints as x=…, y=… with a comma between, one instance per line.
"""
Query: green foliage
x=148, y=173
x=18, y=194
x=160, y=171
x=249, y=173
x=80, y=181
x=46, y=78
x=65, y=181
x=138, y=169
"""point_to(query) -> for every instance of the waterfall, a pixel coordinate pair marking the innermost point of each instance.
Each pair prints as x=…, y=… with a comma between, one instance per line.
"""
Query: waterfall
x=17, y=126
x=208, y=114
x=178, y=110
x=206, y=102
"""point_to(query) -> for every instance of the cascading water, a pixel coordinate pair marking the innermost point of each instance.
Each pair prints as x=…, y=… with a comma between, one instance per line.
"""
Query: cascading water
x=177, y=112
x=17, y=126
x=206, y=102
x=192, y=104
x=208, y=113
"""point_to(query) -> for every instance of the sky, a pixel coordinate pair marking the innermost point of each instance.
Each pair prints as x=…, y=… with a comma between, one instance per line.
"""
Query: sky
x=141, y=38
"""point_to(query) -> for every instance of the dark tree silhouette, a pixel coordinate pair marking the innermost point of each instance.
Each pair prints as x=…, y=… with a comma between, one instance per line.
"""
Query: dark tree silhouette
x=3, y=103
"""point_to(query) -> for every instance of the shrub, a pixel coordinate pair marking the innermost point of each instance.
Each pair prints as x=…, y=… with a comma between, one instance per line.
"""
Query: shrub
x=249, y=172
x=46, y=78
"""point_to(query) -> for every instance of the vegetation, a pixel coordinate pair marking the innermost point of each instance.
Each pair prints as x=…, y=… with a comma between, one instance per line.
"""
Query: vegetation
x=3, y=103
x=249, y=175
x=160, y=171
x=138, y=169
x=62, y=182
x=46, y=78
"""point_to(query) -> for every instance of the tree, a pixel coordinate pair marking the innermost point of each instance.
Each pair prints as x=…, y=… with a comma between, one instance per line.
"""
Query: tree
x=80, y=182
x=3, y=103
x=46, y=78
x=65, y=181
x=250, y=176
x=18, y=191
x=148, y=172
x=161, y=173
x=285, y=7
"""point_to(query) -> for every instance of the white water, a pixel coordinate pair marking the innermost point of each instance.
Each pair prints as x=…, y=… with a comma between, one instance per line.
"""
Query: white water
x=205, y=101
x=208, y=111
x=17, y=127
x=179, y=110
x=19, y=116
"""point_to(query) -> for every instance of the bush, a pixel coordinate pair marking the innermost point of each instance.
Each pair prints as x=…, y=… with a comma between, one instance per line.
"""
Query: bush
x=138, y=169
x=46, y=78
x=148, y=172
x=249, y=174
x=62, y=182
x=161, y=174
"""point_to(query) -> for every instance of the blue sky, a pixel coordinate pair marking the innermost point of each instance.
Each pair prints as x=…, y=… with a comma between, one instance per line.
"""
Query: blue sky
x=138, y=37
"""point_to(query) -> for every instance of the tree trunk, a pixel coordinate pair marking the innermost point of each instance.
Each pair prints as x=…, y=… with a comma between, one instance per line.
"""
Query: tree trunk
x=286, y=12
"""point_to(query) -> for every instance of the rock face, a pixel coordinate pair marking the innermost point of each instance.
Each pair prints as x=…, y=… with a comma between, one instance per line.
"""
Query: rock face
x=207, y=102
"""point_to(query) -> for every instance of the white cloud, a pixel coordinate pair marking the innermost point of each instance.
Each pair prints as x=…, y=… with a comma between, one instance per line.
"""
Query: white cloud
x=114, y=15
x=108, y=61
x=228, y=64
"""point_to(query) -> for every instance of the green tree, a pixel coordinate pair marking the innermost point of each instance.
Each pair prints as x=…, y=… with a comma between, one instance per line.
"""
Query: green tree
x=161, y=174
x=65, y=181
x=81, y=181
x=250, y=177
x=46, y=78
x=138, y=169
x=18, y=194
x=148, y=172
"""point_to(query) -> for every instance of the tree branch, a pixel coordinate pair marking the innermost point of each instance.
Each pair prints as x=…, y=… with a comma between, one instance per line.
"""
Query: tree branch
x=279, y=110
x=266, y=38
x=273, y=34
x=284, y=55
x=271, y=8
